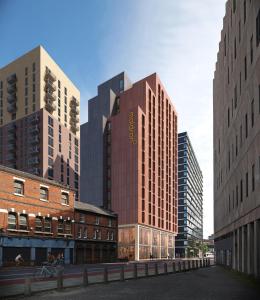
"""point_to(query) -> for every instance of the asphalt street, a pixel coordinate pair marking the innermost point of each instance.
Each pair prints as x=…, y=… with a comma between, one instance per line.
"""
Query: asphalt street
x=203, y=284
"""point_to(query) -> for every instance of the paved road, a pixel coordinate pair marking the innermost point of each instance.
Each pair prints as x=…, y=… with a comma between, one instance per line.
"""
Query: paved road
x=204, y=284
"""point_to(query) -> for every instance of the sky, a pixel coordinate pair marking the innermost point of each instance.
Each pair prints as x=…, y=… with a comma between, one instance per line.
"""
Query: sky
x=93, y=40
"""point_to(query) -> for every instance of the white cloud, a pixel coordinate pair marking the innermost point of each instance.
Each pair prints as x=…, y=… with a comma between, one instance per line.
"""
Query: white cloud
x=178, y=40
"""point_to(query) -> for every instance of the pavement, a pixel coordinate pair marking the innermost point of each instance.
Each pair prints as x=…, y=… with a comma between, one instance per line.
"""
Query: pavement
x=212, y=283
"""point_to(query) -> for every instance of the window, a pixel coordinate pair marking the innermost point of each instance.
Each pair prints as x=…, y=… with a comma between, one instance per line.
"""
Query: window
x=18, y=187
x=43, y=193
x=82, y=218
x=241, y=190
x=50, y=131
x=252, y=114
x=246, y=184
x=245, y=67
x=79, y=232
x=258, y=28
x=112, y=236
x=23, y=225
x=244, y=11
x=253, y=178
x=65, y=198
x=67, y=227
x=47, y=225
x=251, y=50
x=50, y=141
x=121, y=85
x=60, y=226
x=246, y=126
x=38, y=224
x=97, y=221
x=109, y=223
x=50, y=121
x=50, y=151
x=11, y=220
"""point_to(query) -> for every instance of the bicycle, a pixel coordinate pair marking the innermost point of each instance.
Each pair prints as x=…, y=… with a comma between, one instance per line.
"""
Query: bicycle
x=46, y=271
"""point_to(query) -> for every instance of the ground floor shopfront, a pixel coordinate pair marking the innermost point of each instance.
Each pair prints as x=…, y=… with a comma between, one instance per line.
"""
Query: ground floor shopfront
x=34, y=250
x=136, y=242
x=95, y=252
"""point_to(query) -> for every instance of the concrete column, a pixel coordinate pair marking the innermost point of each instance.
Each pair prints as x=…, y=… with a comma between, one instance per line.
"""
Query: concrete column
x=32, y=254
x=1, y=256
x=244, y=249
x=256, y=249
x=250, y=248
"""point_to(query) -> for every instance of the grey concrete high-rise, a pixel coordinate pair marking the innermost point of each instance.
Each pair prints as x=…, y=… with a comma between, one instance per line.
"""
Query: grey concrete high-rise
x=92, y=139
x=190, y=200
x=236, y=98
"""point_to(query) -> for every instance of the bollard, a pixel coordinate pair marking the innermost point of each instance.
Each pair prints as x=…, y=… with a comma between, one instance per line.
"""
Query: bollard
x=105, y=275
x=156, y=269
x=85, y=277
x=173, y=267
x=201, y=263
x=59, y=279
x=135, y=271
x=179, y=267
x=122, y=273
x=198, y=263
x=165, y=268
x=192, y=264
x=27, y=286
x=208, y=262
x=146, y=270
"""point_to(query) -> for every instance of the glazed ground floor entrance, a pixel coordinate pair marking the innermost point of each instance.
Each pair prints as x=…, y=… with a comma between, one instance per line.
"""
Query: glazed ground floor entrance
x=95, y=252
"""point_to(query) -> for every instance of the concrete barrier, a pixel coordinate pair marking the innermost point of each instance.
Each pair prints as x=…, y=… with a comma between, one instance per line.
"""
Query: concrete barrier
x=165, y=268
x=146, y=270
x=156, y=269
x=105, y=275
x=27, y=286
x=173, y=267
x=59, y=279
x=85, y=277
x=122, y=273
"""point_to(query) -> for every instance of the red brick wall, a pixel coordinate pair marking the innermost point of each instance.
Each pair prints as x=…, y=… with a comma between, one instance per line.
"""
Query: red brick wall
x=31, y=202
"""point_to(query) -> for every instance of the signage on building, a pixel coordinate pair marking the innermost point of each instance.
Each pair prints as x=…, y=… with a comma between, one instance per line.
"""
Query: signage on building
x=131, y=128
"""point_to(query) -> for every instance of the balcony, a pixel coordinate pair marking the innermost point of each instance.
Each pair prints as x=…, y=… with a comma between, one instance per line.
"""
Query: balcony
x=11, y=128
x=34, y=129
x=11, y=108
x=74, y=111
x=49, y=75
x=34, y=140
x=11, y=157
x=11, y=79
x=34, y=161
x=49, y=87
x=74, y=120
x=34, y=150
x=11, y=89
x=11, y=98
x=50, y=96
x=11, y=148
x=50, y=107
x=35, y=119
x=35, y=171
x=74, y=102
x=11, y=138
x=74, y=128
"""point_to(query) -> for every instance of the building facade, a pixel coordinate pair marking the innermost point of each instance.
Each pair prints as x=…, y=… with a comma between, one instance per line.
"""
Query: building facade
x=36, y=217
x=95, y=234
x=129, y=163
x=39, y=119
x=190, y=200
x=236, y=101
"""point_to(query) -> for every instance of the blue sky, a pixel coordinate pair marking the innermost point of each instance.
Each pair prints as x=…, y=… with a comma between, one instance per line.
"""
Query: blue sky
x=94, y=40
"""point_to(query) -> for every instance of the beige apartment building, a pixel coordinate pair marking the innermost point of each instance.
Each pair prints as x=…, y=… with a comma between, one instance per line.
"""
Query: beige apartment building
x=236, y=94
x=39, y=119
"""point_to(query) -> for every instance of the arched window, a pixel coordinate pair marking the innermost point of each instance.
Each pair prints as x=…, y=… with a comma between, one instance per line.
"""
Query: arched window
x=23, y=225
x=11, y=220
x=38, y=224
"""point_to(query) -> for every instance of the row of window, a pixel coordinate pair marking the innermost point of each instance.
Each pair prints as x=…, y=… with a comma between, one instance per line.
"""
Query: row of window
x=97, y=234
x=20, y=222
x=43, y=192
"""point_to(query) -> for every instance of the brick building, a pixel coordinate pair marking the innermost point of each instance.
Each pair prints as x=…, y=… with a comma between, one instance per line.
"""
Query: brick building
x=95, y=234
x=36, y=217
